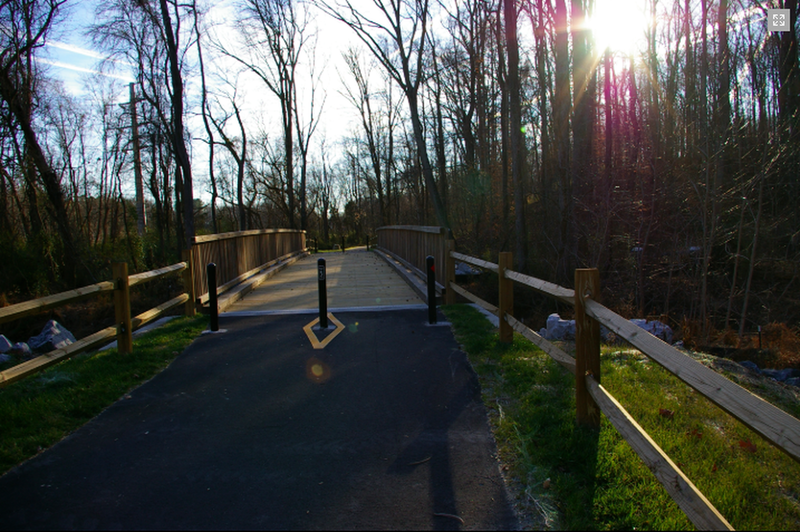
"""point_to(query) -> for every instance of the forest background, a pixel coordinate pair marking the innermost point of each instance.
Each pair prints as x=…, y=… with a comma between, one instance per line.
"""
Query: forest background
x=671, y=165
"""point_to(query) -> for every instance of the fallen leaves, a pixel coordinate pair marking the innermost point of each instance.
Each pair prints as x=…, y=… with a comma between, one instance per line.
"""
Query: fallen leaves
x=748, y=446
x=694, y=433
x=663, y=412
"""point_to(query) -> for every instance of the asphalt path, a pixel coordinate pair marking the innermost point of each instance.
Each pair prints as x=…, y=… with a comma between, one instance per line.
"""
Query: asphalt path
x=253, y=429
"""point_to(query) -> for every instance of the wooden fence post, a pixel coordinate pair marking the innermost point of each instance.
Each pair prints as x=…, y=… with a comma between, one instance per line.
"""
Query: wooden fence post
x=506, y=296
x=188, y=282
x=122, y=307
x=449, y=272
x=587, y=345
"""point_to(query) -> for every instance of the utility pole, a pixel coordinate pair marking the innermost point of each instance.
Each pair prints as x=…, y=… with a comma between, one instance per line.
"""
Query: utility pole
x=141, y=221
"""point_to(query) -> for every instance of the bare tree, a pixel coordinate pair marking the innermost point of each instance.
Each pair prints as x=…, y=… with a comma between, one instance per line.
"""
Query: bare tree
x=362, y=99
x=27, y=23
x=150, y=37
x=239, y=154
x=399, y=42
x=274, y=33
x=306, y=130
x=204, y=111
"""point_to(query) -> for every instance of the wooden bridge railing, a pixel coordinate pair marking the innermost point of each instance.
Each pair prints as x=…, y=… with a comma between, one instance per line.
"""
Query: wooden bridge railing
x=124, y=323
x=241, y=254
x=237, y=255
x=776, y=426
x=413, y=243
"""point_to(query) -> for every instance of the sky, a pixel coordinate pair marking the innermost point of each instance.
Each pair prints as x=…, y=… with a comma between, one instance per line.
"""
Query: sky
x=70, y=58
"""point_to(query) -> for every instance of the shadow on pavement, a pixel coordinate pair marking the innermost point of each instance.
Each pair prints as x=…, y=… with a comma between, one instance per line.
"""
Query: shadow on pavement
x=253, y=429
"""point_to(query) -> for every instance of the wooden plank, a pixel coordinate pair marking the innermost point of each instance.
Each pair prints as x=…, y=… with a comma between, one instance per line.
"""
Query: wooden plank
x=553, y=290
x=225, y=236
x=407, y=273
x=54, y=357
x=475, y=299
x=418, y=228
x=775, y=425
x=691, y=500
x=152, y=275
x=416, y=271
x=414, y=243
x=587, y=345
x=34, y=306
x=555, y=353
x=239, y=291
x=505, y=296
x=486, y=265
x=203, y=299
x=154, y=313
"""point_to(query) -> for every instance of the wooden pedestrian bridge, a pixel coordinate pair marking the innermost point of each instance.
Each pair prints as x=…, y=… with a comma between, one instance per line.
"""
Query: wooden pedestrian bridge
x=274, y=271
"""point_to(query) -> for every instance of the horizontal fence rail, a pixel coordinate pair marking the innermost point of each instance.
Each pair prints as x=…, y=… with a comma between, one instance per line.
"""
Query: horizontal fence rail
x=122, y=330
x=241, y=254
x=29, y=308
x=776, y=426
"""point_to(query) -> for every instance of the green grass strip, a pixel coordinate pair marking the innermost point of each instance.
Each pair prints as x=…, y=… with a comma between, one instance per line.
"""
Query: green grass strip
x=596, y=481
x=42, y=409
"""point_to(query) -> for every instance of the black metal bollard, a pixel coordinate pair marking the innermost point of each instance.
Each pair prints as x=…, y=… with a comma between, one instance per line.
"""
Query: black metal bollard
x=211, y=269
x=342, y=244
x=431, y=289
x=323, y=294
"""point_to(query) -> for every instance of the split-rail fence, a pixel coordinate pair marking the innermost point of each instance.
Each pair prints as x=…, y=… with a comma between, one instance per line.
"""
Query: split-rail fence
x=239, y=256
x=776, y=426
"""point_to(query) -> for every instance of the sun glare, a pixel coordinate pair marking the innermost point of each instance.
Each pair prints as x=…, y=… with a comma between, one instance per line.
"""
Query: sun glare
x=619, y=25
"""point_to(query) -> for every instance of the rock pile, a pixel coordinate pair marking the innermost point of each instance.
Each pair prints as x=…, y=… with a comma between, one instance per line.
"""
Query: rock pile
x=53, y=336
x=789, y=376
x=558, y=329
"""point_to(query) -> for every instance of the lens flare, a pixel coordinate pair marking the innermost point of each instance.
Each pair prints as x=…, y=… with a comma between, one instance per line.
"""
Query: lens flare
x=317, y=371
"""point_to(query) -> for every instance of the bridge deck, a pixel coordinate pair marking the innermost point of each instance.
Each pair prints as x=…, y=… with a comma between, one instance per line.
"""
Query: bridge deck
x=356, y=279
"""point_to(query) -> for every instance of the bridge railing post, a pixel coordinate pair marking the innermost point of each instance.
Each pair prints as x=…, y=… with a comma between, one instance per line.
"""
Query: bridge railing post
x=506, y=297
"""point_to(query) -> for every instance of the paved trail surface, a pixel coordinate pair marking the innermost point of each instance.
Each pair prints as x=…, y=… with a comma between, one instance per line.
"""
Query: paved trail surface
x=254, y=429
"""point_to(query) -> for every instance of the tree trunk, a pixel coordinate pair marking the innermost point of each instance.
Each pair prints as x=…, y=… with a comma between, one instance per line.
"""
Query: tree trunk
x=422, y=152
x=178, y=141
x=52, y=185
x=583, y=114
x=517, y=139
x=204, y=112
x=561, y=132
x=743, y=321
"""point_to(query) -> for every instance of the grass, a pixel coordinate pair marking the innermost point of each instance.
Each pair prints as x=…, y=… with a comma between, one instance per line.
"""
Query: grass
x=579, y=478
x=42, y=409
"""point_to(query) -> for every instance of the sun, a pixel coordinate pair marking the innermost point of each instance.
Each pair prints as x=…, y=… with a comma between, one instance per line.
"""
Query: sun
x=619, y=25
